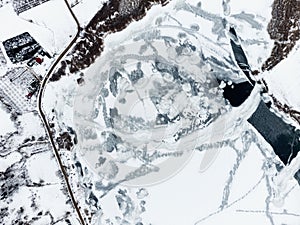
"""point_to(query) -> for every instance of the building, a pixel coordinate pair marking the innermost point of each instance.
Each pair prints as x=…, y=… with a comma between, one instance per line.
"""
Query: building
x=17, y=86
x=21, y=48
x=24, y=5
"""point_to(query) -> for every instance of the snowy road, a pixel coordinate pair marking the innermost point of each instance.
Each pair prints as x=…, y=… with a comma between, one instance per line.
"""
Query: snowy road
x=44, y=118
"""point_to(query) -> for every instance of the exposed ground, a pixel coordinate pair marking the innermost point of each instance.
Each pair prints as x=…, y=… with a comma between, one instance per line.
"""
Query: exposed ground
x=112, y=17
x=284, y=29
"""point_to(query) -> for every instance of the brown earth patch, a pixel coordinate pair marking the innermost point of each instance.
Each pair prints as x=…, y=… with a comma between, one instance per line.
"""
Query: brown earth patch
x=284, y=29
x=109, y=19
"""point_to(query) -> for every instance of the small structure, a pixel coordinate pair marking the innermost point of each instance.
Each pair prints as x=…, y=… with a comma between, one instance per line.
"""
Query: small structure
x=17, y=87
x=22, y=48
x=39, y=60
x=24, y=5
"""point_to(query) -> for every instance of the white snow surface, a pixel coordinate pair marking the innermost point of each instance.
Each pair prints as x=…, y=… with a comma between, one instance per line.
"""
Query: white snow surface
x=8, y=160
x=258, y=7
x=39, y=165
x=284, y=79
x=85, y=10
x=52, y=25
x=55, y=17
x=190, y=196
x=15, y=26
x=6, y=125
x=31, y=125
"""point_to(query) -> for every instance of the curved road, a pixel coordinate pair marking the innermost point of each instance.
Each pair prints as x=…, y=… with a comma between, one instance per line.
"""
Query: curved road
x=44, y=118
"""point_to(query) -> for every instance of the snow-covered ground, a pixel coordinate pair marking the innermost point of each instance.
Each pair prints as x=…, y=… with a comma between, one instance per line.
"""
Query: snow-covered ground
x=195, y=195
x=251, y=18
x=50, y=24
x=55, y=17
x=15, y=26
x=85, y=10
x=7, y=161
x=62, y=103
x=6, y=125
x=47, y=200
x=237, y=187
x=284, y=80
x=31, y=124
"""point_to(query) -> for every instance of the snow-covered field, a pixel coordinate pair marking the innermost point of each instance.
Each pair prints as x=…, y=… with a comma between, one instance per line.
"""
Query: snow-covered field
x=6, y=125
x=50, y=24
x=9, y=160
x=230, y=178
x=85, y=10
x=284, y=80
x=54, y=17
x=16, y=25
x=237, y=187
